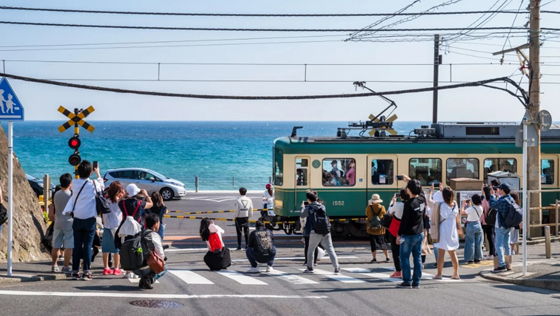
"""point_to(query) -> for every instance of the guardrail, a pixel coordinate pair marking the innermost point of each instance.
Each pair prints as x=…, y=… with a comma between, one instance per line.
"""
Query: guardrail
x=550, y=208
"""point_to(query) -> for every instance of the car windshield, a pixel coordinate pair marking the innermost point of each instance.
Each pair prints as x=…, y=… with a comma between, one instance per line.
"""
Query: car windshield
x=159, y=175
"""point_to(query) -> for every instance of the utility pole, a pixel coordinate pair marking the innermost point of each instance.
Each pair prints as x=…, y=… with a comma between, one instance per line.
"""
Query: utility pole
x=534, y=153
x=437, y=62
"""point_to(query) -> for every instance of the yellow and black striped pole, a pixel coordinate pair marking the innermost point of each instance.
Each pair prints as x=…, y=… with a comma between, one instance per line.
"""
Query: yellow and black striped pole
x=76, y=133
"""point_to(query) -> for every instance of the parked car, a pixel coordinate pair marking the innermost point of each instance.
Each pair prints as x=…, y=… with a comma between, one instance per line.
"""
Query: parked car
x=37, y=185
x=147, y=179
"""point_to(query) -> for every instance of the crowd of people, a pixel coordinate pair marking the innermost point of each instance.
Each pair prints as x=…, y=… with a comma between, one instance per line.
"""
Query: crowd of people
x=417, y=218
x=75, y=217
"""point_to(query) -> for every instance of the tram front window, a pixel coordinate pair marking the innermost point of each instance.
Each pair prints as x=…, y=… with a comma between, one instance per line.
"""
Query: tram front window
x=382, y=172
x=339, y=172
x=547, y=171
x=461, y=168
x=426, y=170
x=278, y=166
x=499, y=164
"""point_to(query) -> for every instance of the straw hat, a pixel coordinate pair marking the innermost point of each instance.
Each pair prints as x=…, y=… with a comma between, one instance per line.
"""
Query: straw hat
x=375, y=199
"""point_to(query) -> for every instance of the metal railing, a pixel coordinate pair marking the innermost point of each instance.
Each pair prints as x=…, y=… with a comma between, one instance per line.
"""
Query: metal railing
x=231, y=182
x=554, y=207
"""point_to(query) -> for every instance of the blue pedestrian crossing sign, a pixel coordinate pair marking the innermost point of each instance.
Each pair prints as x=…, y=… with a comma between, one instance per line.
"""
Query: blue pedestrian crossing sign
x=10, y=107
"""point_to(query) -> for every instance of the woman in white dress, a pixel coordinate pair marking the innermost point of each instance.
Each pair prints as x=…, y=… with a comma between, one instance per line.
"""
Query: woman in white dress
x=448, y=235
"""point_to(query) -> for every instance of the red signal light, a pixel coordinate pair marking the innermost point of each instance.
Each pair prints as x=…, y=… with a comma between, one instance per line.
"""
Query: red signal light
x=74, y=143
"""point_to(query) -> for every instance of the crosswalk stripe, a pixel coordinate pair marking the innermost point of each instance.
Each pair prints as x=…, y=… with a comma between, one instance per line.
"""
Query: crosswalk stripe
x=240, y=278
x=190, y=277
x=369, y=273
x=292, y=278
x=341, y=278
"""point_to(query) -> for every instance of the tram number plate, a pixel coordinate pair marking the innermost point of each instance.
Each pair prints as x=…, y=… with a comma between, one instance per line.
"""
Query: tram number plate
x=338, y=203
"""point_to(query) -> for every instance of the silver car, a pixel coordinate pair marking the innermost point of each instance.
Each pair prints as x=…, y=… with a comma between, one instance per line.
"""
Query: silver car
x=147, y=179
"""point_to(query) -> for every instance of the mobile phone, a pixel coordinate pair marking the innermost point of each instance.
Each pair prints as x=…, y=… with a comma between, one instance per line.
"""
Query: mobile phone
x=399, y=177
x=95, y=165
x=305, y=203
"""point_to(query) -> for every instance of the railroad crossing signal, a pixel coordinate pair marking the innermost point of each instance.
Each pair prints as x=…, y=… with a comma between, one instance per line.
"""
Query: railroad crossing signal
x=379, y=119
x=76, y=119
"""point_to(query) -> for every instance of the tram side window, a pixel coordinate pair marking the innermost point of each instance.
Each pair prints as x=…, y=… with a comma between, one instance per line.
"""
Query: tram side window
x=339, y=172
x=301, y=172
x=382, y=172
x=461, y=168
x=425, y=170
x=278, y=167
x=499, y=164
x=547, y=171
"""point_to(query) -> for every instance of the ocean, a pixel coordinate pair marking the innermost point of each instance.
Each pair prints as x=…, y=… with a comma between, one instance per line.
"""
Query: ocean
x=218, y=152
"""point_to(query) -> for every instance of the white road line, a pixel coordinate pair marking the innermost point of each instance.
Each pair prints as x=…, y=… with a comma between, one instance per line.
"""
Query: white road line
x=427, y=276
x=137, y=281
x=190, y=277
x=88, y=294
x=341, y=278
x=292, y=278
x=300, y=258
x=369, y=273
x=240, y=278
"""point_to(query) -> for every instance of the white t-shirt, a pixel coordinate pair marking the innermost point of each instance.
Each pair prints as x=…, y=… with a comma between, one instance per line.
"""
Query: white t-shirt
x=213, y=228
x=474, y=213
x=397, y=209
x=113, y=219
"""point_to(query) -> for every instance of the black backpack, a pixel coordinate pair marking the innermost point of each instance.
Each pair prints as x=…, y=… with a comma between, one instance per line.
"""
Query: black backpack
x=321, y=223
x=264, y=241
x=134, y=252
x=514, y=215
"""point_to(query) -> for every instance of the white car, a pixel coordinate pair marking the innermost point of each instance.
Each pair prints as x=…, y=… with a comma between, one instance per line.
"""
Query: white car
x=148, y=180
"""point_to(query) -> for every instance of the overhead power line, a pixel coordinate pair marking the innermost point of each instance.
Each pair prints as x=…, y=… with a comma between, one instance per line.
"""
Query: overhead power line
x=224, y=29
x=231, y=97
x=284, y=15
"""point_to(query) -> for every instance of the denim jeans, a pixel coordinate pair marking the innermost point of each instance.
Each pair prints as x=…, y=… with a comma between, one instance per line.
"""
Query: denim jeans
x=502, y=244
x=255, y=261
x=412, y=244
x=473, y=242
x=84, y=230
x=314, y=241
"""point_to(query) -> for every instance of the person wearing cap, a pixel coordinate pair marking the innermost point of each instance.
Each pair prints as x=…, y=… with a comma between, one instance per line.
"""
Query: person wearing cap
x=501, y=200
x=136, y=201
x=83, y=207
x=375, y=212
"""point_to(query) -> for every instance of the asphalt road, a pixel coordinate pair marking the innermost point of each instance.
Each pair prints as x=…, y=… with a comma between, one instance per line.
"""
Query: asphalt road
x=362, y=289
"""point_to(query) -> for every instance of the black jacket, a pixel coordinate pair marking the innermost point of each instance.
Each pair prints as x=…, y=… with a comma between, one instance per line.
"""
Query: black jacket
x=412, y=222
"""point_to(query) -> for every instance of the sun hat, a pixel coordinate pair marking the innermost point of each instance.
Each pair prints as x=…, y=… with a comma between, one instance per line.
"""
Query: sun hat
x=376, y=199
x=132, y=190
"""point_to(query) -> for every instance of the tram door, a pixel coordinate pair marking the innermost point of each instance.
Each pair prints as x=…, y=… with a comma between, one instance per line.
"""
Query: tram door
x=301, y=180
x=382, y=177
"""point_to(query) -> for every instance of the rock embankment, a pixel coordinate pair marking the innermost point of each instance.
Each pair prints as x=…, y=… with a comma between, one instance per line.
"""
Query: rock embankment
x=29, y=226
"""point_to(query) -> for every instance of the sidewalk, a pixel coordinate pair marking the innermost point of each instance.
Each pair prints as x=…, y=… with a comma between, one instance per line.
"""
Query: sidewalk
x=29, y=272
x=541, y=272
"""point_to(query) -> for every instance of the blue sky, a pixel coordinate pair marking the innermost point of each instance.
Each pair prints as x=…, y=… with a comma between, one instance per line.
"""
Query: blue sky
x=469, y=104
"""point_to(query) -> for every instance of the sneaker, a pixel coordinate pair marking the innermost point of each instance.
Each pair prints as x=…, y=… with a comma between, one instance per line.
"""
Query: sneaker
x=145, y=283
x=416, y=287
x=403, y=285
x=315, y=264
x=336, y=271
x=107, y=271
x=86, y=276
x=76, y=276
x=117, y=272
x=374, y=260
x=55, y=269
x=269, y=269
x=387, y=260
x=499, y=269
x=308, y=270
x=66, y=270
x=254, y=270
x=396, y=274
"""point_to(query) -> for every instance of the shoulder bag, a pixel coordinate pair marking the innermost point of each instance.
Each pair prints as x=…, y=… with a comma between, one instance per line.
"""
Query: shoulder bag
x=156, y=263
x=102, y=205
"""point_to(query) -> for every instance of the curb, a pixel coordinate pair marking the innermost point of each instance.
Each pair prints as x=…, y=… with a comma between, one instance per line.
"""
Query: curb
x=32, y=278
x=548, y=284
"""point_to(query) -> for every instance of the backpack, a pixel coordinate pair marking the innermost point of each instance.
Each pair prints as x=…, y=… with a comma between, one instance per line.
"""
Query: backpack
x=214, y=242
x=134, y=252
x=321, y=223
x=375, y=222
x=129, y=226
x=264, y=241
x=490, y=217
x=514, y=215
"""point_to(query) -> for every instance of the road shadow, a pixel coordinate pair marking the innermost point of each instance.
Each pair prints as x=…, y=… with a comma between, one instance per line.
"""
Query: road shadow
x=116, y=288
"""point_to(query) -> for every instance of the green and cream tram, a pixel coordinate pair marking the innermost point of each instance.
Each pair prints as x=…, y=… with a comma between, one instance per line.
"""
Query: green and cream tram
x=432, y=155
